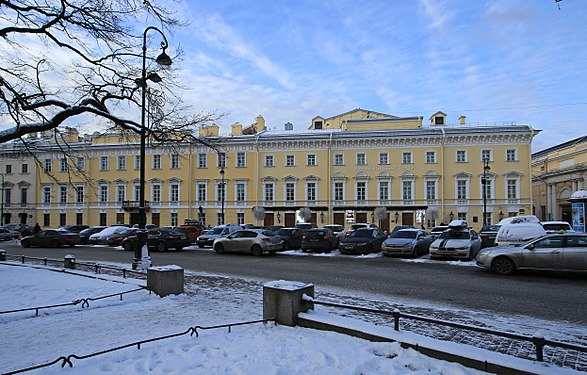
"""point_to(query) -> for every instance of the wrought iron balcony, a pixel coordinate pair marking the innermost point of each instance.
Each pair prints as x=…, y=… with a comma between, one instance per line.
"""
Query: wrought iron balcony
x=134, y=206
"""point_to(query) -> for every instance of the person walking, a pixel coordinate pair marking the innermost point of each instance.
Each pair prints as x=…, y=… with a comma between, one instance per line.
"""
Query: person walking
x=37, y=228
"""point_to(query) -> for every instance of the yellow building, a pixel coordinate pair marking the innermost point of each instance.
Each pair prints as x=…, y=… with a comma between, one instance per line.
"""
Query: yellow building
x=360, y=166
x=558, y=172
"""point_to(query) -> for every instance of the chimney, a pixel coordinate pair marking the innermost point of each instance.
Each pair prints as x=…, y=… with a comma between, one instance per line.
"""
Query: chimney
x=209, y=131
x=288, y=126
x=462, y=120
x=260, y=124
x=237, y=129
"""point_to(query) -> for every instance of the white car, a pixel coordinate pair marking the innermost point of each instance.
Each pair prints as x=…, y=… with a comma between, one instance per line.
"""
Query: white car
x=557, y=227
x=101, y=237
x=337, y=229
x=458, y=241
x=518, y=233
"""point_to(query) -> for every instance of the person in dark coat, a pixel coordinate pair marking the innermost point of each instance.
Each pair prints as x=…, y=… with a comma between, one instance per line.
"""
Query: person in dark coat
x=37, y=228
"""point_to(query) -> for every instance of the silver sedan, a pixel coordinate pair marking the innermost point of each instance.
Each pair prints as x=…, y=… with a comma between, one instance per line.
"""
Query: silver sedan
x=411, y=242
x=254, y=241
x=555, y=252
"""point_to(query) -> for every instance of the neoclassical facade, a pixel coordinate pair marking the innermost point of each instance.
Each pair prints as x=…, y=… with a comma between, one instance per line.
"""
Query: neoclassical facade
x=359, y=166
x=558, y=172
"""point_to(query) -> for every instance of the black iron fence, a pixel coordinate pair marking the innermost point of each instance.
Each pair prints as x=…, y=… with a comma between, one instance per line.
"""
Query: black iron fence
x=538, y=341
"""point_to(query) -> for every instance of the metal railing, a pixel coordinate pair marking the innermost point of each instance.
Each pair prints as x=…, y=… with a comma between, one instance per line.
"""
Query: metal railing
x=538, y=341
x=67, y=360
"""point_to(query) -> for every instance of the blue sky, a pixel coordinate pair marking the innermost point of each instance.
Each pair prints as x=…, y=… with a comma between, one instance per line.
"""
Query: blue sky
x=522, y=61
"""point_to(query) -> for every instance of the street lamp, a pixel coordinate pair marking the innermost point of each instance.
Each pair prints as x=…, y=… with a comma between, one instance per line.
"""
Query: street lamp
x=163, y=60
x=2, y=202
x=486, y=169
x=222, y=194
x=322, y=217
x=278, y=218
x=396, y=216
x=451, y=215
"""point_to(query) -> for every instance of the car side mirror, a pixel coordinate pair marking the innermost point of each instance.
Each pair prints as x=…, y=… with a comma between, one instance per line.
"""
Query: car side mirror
x=530, y=247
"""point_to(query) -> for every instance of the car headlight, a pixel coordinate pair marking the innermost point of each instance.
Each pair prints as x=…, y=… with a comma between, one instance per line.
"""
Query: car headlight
x=462, y=248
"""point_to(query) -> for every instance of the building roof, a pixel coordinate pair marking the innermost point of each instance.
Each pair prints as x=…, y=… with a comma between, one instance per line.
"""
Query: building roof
x=560, y=146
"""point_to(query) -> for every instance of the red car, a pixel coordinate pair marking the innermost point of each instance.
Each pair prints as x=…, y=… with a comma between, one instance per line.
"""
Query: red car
x=116, y=239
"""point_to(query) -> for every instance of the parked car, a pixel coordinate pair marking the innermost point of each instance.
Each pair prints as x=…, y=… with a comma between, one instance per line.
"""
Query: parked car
x=557, y=227
x=458, y=242
x=305, y=226
x=23, y=229
x=215, y=233
x=275, y=228
x=73, y=228
x=356, y=226
x=84, y=235
x=518, y=233
x=191, y=231
x=412, y=242
x=319, y=239
x=363, y=241
x=438, y=230
x=291, y=238
x=101, y=237
x=253, y=241
x=116, y=239
x=488, y=234
x=338, y=230
x=400, y=227
x=553, y=252
x=158, y=239
x=8, y=234
x=51, y=238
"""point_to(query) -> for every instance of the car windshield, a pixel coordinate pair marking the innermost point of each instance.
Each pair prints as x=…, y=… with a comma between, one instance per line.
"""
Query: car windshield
x=215, y=231
x=362, y=234
x=455, y=234
x=336, y=228
x=404, y=234
x=268, y=233
x=556, y=227
x=357, y=226
x=490, y=228
x=284, y=232
x=128, y=231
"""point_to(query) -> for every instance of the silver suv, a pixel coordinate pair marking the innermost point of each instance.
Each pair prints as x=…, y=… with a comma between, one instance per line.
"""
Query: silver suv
x=215, y=233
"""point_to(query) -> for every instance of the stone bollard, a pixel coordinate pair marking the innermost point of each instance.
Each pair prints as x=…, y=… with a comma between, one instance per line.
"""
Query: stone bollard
x=282, y=300
x=69, y=261
x=165, y=280
x=2, y=255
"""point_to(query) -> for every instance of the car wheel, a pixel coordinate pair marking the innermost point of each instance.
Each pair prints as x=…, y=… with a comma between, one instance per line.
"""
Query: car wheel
x=503, y=266
x=161, y=247
x=25, y=243
x=54, y=243
x=71, y=245
x=286, y=245
x=127, y=246
x=219, y=248
x=256, y=250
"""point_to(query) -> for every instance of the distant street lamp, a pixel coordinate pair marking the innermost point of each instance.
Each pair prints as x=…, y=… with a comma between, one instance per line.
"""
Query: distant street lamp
x=163, y=60
x=451, y=215
x=486, y=168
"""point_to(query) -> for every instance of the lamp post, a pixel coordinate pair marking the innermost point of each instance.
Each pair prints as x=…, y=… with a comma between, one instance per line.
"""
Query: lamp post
x=486, y=169
x=222, y=194
x=2, y=202
x=164, y=60
x=451, y=215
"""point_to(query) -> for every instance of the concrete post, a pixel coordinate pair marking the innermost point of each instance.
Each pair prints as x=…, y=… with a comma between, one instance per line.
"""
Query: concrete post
x=69, y=261
x=282, y=300
x=165, y=280
x=2, y=255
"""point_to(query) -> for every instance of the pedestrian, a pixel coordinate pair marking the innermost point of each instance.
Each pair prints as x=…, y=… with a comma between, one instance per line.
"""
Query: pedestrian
x=37, y=228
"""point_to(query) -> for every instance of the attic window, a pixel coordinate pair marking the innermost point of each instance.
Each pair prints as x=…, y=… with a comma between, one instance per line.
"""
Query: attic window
x=438, y=120
x=317, y=124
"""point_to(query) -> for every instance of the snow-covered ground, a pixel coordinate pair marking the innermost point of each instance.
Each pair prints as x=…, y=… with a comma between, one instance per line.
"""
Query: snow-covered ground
x=27, y=340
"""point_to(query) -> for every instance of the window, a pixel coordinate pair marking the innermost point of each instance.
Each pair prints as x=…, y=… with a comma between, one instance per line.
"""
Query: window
x=62, y=194
x=486, y=155
x=156, y=161
x=202, y=192
x=311, y=191
x=383, y=158
x=290, y=160
x=290, y=192
x=406, y=158
x=24, y=168
x=462, y=215
x=62, y=219
x=120, y=193
x=269, y=161
x=156, y=193
x=220, y=192
x=79, y=218
x=339, y=191
x=338, y=159
x=512, y=188
x=431, y=190
x=438, y=120
x=174, y=219
x=80, y=163
x=430, y=157
x=79, y=194
x=240, y=192
x=103, y=193
x=121, y=163
x=62, y=165
x=461, y=156
x=7, y=197
x=269, y=192
x=174, y=161
x=311, y=160
x=240, y=218
x=46, y=194
x=361, y=191
x=407, y=190
x=23, y=196
x=47, y=165
x=103, y=218
x=174, y=193
x=46, y=220
x=137, y=162
x=241, y=160
x=511, y=154
x=462, y=189
x=384, y=190
x=221, y=161
x=318, y=125
x=202, y=161
x=361, y=158
x=136, y=191
x=103, y=163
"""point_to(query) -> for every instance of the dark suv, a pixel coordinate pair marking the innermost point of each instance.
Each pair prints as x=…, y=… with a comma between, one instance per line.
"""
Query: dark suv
x=159, y=240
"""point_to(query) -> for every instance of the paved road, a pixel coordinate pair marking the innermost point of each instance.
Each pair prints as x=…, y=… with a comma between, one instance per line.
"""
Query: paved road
x=556, y=297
